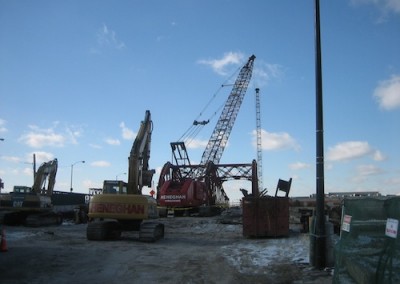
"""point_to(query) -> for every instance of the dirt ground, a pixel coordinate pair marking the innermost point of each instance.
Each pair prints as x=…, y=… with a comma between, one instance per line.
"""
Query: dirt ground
x=194, y=250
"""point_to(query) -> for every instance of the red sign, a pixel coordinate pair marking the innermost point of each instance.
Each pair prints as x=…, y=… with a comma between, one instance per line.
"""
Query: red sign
x=117, y=208
x=392, y=226
x=346, y=223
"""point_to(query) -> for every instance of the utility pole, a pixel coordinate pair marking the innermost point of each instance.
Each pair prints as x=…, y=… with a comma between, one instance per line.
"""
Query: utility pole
x=318, y=234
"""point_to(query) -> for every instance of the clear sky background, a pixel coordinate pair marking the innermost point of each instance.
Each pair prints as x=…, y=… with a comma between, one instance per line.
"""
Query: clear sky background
x=76, y=78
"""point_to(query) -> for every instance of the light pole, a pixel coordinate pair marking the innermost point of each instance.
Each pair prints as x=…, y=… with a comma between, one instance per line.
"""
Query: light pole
x=72, y=171
x=116, y=177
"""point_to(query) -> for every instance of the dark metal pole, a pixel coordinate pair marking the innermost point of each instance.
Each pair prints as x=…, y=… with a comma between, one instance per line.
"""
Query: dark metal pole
x=320, y=238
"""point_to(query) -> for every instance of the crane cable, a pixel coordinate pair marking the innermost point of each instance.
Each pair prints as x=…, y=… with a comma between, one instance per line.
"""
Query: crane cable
x=194, y=129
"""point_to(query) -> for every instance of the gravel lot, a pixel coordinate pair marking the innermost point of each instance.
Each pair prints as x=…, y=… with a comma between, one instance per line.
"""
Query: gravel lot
x=194, y=250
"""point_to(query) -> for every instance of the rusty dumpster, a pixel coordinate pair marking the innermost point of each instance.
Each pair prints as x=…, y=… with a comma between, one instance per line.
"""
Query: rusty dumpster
x=265, y=216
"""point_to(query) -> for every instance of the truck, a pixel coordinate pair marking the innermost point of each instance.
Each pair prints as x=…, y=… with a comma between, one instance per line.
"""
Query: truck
x=121, y=206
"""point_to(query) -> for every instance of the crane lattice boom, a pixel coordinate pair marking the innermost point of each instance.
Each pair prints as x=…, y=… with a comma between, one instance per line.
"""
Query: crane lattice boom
x=220, y=135
x=259, y=143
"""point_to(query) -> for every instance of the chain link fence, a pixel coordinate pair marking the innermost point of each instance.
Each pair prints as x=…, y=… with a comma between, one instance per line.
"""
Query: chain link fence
x=368, y=250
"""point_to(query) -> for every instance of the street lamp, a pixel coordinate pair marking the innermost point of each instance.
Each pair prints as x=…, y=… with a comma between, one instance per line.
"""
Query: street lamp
x=72, y=170
x=116, y=177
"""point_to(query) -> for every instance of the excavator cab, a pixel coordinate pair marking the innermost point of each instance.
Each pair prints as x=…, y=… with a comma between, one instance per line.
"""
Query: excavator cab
x=114, y=187
x=22, y=189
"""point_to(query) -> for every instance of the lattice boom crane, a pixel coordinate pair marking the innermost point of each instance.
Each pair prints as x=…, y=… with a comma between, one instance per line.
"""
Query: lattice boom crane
x=189, y=186
x=220, y=135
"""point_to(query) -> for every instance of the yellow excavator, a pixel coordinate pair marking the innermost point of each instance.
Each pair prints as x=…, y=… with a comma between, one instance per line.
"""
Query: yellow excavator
x=32, y=206
x=121, y=206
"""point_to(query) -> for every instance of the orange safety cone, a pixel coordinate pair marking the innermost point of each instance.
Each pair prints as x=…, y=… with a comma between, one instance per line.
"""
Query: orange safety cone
x=3, y=245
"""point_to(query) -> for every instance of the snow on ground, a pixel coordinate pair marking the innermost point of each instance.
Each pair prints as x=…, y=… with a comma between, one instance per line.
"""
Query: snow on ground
x=257, y=254
x=18, y=235
x=201, y=247
x=253, y=255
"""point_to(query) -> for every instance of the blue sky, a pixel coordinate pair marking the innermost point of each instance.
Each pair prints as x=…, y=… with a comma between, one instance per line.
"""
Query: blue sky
x=77, y=76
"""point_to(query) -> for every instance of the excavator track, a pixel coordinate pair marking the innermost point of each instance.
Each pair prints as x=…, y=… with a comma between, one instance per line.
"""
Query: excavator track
x=151, y=231
x=103, y=230
x=43, y=219
x=12, y=218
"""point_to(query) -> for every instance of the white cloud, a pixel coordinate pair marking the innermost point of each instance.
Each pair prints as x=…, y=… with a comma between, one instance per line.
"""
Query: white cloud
x=2, y=126
x=393, y=5
x=364, y=2
x=95, y=146
x=160, y=38
x=264, y=72
x=299, y=166
x=378, y=156
x=365, y=171
x=395, y=181
x=11, y=159
x=349, y=150
x=41, y=157
x=91, y=184
x=38, y=138
x=100, y=164
x=28, y=171
x=276, y=141
x=328, y=166
x=385, y=7
x=126, y=132
x=196, y=144
x=220, y=65
x=388, y=93
x=106, y=37
x=73, y=134
x=111, y=141
x=368, y=170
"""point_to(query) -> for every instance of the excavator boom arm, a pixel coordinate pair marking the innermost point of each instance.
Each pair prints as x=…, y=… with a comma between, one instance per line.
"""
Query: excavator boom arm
x=47, y=171
x=139, y=173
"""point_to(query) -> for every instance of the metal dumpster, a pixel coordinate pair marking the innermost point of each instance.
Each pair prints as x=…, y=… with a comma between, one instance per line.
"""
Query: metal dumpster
x=265, y=216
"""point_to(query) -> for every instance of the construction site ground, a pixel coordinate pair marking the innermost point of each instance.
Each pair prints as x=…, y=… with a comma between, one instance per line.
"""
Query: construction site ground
x=194, y=250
